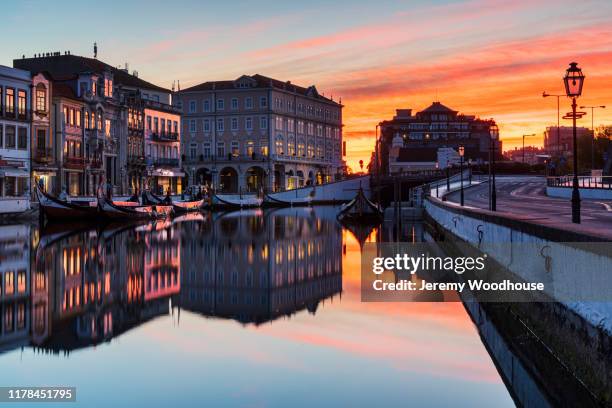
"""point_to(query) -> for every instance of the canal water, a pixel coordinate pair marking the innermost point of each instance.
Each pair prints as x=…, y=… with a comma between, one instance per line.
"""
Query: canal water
x=251, y=308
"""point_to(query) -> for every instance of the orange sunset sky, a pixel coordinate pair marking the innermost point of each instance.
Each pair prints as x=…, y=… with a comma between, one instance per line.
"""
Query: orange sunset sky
x=490, y=58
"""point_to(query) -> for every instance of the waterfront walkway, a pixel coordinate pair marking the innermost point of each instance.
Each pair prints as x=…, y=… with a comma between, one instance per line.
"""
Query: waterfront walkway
x=525, y=197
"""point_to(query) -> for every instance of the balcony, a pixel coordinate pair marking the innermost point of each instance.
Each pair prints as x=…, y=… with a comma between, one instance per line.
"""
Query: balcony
x=74, y=162
x=165, y=137
x=95, y=162
x=163, y=107
x=20, y=115
x=163, y=162
x=43, y=155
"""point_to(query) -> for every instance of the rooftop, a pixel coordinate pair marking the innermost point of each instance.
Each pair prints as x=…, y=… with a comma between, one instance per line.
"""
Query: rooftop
x=64, y=66
x=258, y=81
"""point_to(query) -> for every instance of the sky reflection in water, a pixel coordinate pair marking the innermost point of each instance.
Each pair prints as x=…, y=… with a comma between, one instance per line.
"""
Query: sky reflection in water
x=241, y=309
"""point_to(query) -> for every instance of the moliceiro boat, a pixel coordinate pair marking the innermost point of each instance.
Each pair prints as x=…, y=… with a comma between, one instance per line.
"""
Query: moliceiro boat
x=131, y=210
x=236, y=200
x=360, y=210
x=179, y=206
x=56, y=208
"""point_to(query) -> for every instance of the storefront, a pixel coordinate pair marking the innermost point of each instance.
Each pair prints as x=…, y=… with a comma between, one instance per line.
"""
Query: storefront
x=14, y=188
x=162, y=180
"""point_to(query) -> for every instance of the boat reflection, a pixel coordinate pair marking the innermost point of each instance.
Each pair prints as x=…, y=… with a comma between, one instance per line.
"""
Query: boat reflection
x=82, y=285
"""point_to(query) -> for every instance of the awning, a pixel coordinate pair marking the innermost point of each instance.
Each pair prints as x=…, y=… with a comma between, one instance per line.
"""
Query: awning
x=166, y=173
x=13, y=172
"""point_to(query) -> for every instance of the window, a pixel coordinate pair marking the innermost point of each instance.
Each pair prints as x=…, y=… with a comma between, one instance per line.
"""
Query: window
x=300, y=149
x=291, y=147
x=248, y=123
x=207, y=151
x=279, y=145
x=234, y=123
x=9, y=283
x=107, y=128
x=155, y=125
x=22, y=138
x=220, y=104
x=41, y=98
x=9, y=137
x=192, y=106
x=206, y=125
x=220, y=124
x=206, y=104
x=149, y=122
x=163, y=126
x=78, y=118
x=10, y=101
x=310, y=150
x=234, y=103
x=220, y=149
x=193, y=151
x=279, y=123
x=72, y=120
x=263, y=102
x=235, y=149
x=263, y=147
x=263, y=122
x=175, y=126
x=248, y=103
x=192, y=126
x=300, y=127
x=1, y=144
x=21, y=281
x=250, y=147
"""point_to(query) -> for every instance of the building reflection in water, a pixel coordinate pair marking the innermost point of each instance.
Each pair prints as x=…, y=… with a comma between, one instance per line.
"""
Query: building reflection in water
x=80, y=285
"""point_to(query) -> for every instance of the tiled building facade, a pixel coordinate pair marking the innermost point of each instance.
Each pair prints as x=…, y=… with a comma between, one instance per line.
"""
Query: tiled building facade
x=257, y=133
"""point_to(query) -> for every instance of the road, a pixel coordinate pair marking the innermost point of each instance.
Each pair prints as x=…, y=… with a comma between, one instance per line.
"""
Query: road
x=526, y=196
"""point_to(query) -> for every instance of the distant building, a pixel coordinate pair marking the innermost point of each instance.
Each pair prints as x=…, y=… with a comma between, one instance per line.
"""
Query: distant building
x=15, y=126
x=533, y=155
x=257, y=132
x=561, y=139
x=418, y=137
x=44, y=157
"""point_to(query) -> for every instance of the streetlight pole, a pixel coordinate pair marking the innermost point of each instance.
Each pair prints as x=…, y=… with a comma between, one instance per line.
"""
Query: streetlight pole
x=574, y=79
x=592, y=108
x=545, y=95
x=461, y=153
x=524, y=136
x=494, y=137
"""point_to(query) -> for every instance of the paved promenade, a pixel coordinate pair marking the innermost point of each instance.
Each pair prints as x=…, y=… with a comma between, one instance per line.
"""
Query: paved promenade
x=526, y=197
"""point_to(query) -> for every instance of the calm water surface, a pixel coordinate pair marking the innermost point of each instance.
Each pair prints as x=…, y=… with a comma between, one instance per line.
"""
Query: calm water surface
x=247, y=308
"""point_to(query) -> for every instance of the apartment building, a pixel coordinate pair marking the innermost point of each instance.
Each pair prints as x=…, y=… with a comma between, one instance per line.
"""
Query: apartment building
x=15, y=126
x=256, y=133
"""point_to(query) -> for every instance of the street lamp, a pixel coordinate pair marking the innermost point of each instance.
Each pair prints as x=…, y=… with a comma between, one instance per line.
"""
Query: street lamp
x=592, y=108
x=461, y=154
x=546, y=95
x=574, y=79
x=524, y=136
x=494, y=137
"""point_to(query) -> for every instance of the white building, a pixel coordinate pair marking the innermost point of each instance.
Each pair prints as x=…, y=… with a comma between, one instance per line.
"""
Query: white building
x=15, y=119
x=448, y=157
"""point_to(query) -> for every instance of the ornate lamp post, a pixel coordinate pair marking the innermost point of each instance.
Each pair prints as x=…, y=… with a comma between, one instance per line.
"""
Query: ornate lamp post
x=574, y=79
x=494, y=137
x=461, y=154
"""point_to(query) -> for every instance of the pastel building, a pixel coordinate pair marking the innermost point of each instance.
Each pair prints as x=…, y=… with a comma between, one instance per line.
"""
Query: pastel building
x=255, y=132
x=15, y=125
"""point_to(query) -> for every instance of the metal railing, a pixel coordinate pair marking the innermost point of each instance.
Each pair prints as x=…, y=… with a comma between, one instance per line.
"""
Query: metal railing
x=595, y=182
x=165, y=136
x=74, y=162
x=43, y=155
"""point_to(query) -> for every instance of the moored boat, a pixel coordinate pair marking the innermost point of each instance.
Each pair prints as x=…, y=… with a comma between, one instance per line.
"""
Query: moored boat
x=360, y=210
x=131, y=210
x=56, y=208
x=179, y=206
x=236, y=200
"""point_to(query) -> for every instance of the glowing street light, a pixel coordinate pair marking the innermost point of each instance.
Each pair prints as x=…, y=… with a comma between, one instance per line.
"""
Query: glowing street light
x=574, y=79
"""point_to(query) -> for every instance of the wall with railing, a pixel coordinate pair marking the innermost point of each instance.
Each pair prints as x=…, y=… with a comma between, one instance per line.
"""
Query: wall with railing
x=590, y=187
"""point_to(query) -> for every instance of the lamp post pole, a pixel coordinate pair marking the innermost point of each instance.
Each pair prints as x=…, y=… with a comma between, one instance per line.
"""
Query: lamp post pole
x=461, y=153
x=545, y=95
x=592, y=108
x=524, y=136
x=493, y=137
x=575, y=191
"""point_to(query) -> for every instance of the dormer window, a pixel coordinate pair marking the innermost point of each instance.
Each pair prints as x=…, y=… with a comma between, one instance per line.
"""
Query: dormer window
x=41, y=98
